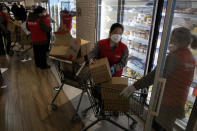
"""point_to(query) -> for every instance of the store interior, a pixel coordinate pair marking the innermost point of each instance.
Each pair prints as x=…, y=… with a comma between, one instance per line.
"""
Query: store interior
x=26, y=104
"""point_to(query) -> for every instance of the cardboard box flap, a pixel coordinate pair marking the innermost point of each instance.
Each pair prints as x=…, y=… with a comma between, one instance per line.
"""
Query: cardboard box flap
x=62, y=39
x=116, y=82
x=120, y=81
x=99, y=62
x=59, y=51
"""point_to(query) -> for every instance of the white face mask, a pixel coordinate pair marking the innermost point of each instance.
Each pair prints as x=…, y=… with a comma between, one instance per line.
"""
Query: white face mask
x=116, y=38
x=172, y=48
x=5, y=11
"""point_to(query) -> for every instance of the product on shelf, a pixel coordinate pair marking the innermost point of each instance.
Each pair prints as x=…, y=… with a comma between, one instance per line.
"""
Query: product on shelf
x=187, y=11
x=136, y=46
x=195, y=29
x=132, y=73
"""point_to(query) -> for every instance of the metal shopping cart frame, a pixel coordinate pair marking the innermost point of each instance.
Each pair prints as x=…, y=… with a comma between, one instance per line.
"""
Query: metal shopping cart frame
x=106, y=110
x=74, y=75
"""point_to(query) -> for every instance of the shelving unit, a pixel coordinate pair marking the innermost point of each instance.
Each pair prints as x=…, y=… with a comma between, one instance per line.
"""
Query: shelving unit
x=137, y=19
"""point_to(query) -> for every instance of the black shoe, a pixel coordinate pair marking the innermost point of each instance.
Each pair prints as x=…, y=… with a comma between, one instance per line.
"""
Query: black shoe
x=45, y=67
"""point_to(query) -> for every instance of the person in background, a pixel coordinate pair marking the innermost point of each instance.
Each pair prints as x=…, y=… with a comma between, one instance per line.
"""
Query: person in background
x=23, y=13
x=15, y=11
x=39, y=29
x=4, y=16
x=66, y=20
x=178, y=71
x=113, y=49
x=47, y=20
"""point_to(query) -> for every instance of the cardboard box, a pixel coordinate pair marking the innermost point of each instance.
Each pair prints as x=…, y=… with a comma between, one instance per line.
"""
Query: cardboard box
x=85, y=47
x=73, y=49
x=110, y=92
x=59, y=51
x=11, y=27
x=68, y=52
x=68, y=67
x=100, y=71
x=62, y=38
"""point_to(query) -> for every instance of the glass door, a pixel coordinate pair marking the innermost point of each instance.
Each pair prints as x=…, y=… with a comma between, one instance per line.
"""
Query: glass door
x=137, y=21
x=108, y=14
x=172, y=98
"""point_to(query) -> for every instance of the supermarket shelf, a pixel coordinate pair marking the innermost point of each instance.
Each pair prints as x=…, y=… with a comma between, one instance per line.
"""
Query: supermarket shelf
x=136, y=64
x=139, y=40
x=139, y=26
x=135, y=68
x=181, y=15
x=137, y=54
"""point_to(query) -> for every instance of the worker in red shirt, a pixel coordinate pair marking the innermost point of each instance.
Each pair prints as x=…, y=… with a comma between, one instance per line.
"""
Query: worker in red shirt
x=66, y=20
x=116, y=53
x=39, y=29
x=179, y=72
x=47, y=19
x=113, y=49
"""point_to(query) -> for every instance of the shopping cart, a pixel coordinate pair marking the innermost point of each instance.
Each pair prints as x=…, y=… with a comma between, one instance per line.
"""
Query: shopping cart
x=114, y=104
x=78, y=77
x=21, y=44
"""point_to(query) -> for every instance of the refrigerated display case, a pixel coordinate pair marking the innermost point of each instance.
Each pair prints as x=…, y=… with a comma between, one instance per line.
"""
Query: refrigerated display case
x=56, y=6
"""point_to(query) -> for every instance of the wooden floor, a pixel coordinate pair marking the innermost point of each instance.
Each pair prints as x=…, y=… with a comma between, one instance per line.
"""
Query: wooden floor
x=24, y=104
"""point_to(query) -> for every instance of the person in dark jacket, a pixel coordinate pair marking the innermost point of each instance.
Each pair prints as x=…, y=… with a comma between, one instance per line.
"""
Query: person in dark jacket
x=179, y=72
x=15, y=11
x=4, y=16
x=38, y=28
x=23, y=14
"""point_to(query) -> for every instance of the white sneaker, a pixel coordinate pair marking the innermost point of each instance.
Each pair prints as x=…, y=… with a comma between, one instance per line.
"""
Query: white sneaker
x=5, y=86
x=3, y=70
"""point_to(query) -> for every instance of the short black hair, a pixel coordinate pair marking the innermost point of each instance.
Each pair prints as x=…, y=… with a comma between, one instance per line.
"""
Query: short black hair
x=38, y=10
x=116, y=25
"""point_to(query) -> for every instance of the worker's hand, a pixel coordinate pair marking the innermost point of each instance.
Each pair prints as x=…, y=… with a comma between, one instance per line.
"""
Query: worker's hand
x=112, y=70
x=127, y=92
x=91, y=61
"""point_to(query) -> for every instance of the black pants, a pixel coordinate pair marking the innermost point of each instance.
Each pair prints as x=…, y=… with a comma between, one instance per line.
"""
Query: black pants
x=2, y=51
x=48, y=40
x=7, y=42
x=40, y=56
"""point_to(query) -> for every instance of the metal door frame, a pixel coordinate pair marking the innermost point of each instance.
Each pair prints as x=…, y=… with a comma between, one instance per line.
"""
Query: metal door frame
x=154, y=106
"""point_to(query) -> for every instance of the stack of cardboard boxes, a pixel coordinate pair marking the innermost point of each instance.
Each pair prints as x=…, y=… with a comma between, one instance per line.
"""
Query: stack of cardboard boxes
x=110, y=86
x=69, y=48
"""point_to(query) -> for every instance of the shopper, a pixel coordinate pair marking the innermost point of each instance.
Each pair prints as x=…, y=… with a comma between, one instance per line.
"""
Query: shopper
x=4, y=16
x=23, y=13
x=15, y=11
x=38, y=28
x=113, y=49
x=179, y=72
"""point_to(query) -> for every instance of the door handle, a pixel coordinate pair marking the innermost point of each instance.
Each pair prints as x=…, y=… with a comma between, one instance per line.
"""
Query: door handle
x=163, y=82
